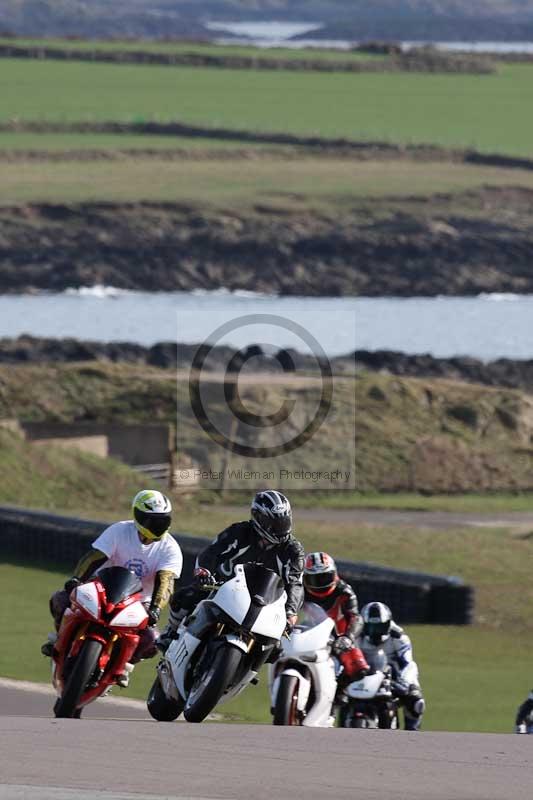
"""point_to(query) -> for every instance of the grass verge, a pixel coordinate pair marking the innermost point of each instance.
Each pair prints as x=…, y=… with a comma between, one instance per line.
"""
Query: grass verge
x=489, y=112
x=329, y=185
x=499, y=502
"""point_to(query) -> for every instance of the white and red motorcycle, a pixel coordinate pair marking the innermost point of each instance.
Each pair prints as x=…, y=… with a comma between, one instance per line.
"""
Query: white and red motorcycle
x=303, y=681
x=98, y=635
x=221, y=646
x=372, y=701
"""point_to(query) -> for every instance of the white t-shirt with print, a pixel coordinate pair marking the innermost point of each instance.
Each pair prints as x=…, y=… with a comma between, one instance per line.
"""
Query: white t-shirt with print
x=123, y=548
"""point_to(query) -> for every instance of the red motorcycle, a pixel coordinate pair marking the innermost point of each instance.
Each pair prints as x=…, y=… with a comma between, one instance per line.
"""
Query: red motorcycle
x=99, y=633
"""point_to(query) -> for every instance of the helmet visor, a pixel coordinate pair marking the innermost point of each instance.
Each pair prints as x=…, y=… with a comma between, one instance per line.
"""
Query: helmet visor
x=157, y=524
x=377, y=631
x=280, y=526
x=273, y=529
x=319, y=580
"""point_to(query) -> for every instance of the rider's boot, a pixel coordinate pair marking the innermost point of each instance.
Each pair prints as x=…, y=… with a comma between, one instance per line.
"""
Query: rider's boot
x=123, y=680
x=412, y=723
x=47, y=649
x=524, y=716
x=414, y=706
x=170, y=631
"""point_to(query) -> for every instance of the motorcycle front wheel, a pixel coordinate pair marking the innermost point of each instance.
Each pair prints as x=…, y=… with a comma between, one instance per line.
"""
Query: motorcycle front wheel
x=286, y=708
x=209, y=686
x=160, y=706
x=80, y=674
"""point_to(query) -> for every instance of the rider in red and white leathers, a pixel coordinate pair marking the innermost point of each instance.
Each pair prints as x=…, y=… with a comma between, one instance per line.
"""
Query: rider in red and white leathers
x=380, y=633
x=323, y=586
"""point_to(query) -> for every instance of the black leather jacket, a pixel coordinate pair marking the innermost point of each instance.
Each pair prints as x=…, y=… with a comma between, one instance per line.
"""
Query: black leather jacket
x=240, y=543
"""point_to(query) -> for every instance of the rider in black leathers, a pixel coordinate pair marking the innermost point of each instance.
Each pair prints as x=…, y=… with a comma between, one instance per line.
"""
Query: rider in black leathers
x=266, y=538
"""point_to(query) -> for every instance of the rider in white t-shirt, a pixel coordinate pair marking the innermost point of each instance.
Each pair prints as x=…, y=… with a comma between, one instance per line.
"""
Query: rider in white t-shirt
x=142, y=545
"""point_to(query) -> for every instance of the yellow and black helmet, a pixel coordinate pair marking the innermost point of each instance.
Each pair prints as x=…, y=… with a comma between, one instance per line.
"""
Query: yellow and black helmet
x=152, y=512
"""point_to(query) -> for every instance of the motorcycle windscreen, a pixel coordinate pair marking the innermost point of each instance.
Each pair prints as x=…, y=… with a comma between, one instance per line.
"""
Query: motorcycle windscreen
x=264, y=585
x=118, y=583
x=311, y=615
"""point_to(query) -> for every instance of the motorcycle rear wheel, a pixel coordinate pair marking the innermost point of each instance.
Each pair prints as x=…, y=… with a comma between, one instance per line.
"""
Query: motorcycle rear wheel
x=86, y=661
x=160, y=706
x=209, y=687
x=286, y=710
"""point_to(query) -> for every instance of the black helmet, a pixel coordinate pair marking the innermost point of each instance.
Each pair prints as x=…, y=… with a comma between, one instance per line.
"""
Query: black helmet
x=377, y=618
x=272, y=516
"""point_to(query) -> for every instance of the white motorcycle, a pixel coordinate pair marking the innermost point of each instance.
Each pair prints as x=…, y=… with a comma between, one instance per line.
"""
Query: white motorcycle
x=303, y=681
x=221, y=646
x=371, y=702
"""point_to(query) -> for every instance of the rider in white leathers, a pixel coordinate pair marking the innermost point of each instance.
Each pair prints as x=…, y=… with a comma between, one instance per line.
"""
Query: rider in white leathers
x=380, y=633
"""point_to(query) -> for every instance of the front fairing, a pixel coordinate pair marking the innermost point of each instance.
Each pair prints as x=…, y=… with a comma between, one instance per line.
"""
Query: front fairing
x=271, y=620
x=366, y=688
x=313, y=641
x=233, y=596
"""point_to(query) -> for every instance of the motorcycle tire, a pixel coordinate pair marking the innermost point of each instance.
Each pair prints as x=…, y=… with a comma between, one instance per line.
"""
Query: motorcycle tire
x=160, y=706
x=209, y=687
x=86, y=662
x=285, y=710
x=355, y=718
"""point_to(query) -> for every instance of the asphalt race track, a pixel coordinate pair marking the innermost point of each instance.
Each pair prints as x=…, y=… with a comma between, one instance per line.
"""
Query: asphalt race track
x=137, y=759
x=19, y=698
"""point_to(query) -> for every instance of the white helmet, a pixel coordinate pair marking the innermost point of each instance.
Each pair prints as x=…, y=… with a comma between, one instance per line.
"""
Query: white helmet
x=377, y=618
x=152, y=514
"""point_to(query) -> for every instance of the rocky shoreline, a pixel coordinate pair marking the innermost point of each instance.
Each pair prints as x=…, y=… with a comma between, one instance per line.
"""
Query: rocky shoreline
x=165, y=355
x=449, y=245
x=503, y=372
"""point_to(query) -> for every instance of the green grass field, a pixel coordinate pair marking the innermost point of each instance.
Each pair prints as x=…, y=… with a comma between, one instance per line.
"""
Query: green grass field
x=491, y=113
x=323, y=184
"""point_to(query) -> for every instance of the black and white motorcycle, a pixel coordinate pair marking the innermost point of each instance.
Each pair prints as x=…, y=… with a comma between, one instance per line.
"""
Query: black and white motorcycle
x=221, y=646
x=302, y=680
x=371, y=702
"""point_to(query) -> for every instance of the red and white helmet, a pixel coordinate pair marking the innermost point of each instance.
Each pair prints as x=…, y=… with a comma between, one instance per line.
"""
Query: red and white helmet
x=320, y=574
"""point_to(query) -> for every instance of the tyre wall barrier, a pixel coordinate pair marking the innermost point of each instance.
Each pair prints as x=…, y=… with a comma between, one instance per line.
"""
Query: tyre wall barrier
x=414, y=597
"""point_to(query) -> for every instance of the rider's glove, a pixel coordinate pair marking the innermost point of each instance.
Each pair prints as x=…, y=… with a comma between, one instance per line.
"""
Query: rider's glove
x=154, y=612
x=342, y=644
x=202, y=577
x=71, y=584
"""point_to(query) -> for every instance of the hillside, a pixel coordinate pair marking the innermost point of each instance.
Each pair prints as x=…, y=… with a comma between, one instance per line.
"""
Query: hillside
x=441, y=436
x=57, y=478
x=409, y=434
x=386, y=19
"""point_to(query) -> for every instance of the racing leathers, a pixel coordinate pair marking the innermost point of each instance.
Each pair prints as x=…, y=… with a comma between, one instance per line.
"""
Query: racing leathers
x=240, y=544
x=398, y=651
x=342, y=607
